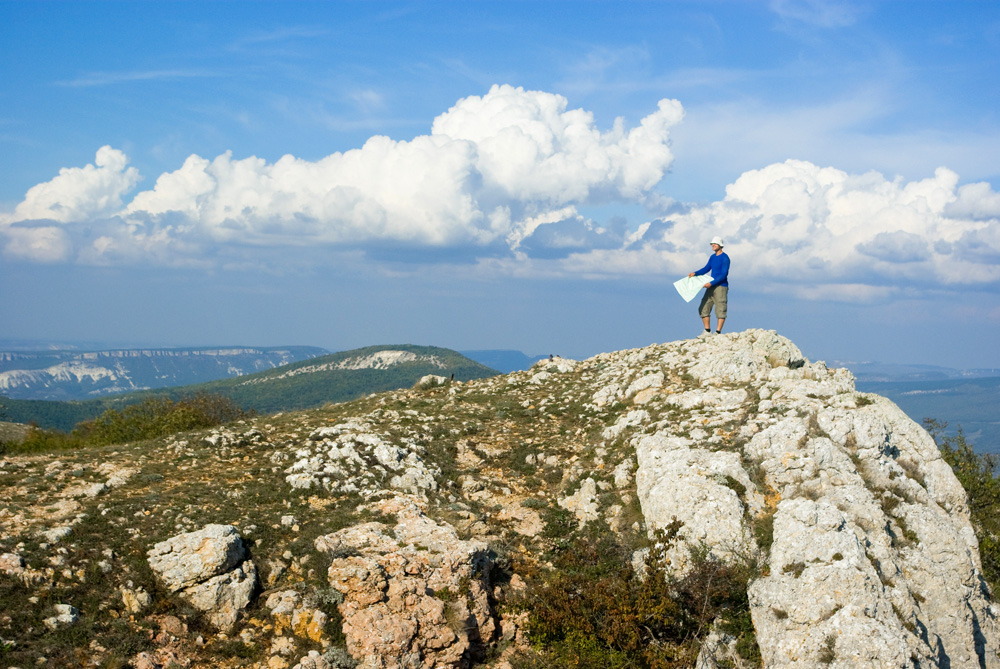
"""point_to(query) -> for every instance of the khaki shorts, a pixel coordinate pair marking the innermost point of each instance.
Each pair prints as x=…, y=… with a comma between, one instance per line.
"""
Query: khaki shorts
x=717, y=295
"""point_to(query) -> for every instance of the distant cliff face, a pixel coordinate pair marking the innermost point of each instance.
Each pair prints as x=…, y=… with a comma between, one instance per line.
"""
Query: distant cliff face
x=389, y=531
x=76, y=375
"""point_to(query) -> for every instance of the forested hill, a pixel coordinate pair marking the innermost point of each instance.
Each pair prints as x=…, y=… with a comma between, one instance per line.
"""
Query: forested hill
x=344, y=376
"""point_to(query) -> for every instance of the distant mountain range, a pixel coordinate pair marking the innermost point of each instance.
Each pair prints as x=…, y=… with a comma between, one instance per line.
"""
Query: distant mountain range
x=85, y=383
x=76, y=375
x=64, y=374
x=335, y=377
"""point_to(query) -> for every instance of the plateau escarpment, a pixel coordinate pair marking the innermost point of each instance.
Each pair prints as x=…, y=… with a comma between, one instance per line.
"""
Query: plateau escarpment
x=418, y=528
x=74, y=375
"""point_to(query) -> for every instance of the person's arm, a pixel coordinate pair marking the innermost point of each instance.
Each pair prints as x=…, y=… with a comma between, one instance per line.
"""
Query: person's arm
x=704, y=269
x=723, y=269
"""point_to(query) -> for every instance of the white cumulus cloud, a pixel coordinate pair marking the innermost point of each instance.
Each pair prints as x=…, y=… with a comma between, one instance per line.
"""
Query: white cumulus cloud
x=829, y=231
x=81, y=193
x=506, y=178
x=40, y=243
x=491, y=171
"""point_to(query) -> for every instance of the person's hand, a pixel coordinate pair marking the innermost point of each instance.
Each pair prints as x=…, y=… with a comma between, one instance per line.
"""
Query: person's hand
x=708, y=285
x=691, y=274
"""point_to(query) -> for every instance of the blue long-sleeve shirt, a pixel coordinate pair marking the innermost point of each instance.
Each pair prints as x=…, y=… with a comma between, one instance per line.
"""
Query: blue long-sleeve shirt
x=719, y=266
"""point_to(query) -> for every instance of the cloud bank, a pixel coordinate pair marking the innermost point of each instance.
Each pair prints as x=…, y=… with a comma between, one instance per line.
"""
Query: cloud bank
x=819, y=232
x=504, y=178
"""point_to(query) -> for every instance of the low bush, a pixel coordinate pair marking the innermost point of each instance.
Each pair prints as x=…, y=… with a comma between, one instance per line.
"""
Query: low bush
x=38, y=440
x=158, y=416
x=151, y=418
x=977, y=474
x=594, y=610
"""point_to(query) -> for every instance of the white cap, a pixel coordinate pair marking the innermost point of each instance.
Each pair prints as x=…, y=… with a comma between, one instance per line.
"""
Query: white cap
x=717, y=240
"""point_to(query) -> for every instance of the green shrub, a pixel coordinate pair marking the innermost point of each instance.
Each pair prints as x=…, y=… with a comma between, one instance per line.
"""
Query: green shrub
x=828, y=653
x=763, y=529
x=794, y=568
x=976, y=473
x=559, y=522
x=41, y=441
x=151, y=418
x=593, y=610
x=158, y=416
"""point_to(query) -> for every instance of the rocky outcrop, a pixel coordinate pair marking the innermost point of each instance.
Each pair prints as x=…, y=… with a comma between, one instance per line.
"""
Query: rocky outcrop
x=872, y=561
x=350, y=457
x=209, y=568
x=415, y=595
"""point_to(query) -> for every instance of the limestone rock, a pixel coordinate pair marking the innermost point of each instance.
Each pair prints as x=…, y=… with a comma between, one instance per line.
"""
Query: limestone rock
x=117, y=475
x=224, y=596
x=623, y=473
x=555, y=365
x=414, y=595
x=748, y=356
x=208, y=568
x=65, y=616
x=194, y=557
x=11, y=563
x=625, y=423
x=583, y=503
x=700, y=488
x=873, y=561
x=431, y=381
x=350, y=457
x=289, y=612
x=135, y=600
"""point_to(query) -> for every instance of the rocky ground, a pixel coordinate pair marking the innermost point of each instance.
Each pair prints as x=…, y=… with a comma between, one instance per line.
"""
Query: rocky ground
x=395, y=531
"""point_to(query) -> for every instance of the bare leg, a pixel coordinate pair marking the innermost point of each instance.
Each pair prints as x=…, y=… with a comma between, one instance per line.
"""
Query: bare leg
x=721, y=321
x=707, y=320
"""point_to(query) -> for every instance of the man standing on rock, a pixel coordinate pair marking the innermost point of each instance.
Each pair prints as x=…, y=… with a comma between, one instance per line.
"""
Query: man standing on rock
x=716, y=290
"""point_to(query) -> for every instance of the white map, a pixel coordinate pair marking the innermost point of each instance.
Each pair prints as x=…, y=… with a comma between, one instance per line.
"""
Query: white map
x=690, y=286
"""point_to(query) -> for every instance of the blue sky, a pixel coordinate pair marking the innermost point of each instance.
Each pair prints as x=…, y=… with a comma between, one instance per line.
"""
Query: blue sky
x=523, y=175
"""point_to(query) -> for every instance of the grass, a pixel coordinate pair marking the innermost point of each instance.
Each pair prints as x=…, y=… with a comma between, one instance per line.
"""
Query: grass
x=828, y=652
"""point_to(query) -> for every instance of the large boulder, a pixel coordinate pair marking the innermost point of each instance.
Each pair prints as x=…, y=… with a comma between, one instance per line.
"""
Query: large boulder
x=415, y=595
x=210, y=569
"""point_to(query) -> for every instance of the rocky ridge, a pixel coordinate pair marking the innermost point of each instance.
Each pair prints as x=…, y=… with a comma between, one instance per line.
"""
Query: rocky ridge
x=389, y=531
x=378, y=360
